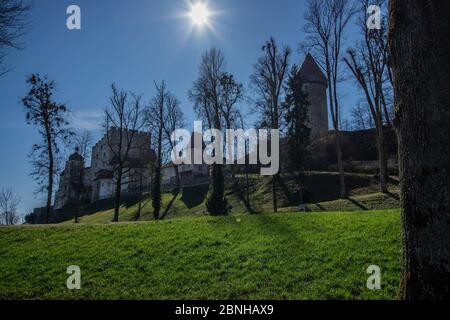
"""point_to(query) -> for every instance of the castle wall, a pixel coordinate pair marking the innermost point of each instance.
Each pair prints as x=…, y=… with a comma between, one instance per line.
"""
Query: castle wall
x=98, y=179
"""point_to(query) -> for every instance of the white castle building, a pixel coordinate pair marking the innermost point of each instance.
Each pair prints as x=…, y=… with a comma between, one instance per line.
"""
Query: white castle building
x=89, y=184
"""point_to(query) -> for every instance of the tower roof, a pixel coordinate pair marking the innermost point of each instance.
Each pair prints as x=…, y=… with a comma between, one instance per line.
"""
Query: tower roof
x=311, y=72
x=76, y=156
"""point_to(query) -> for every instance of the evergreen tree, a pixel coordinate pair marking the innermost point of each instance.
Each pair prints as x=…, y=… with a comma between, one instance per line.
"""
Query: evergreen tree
x=298, y=132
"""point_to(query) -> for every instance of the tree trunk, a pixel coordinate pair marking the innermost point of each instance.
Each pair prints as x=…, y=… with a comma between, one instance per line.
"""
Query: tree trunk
x=382, y=159
x=118, y=194
x=138, y=214
x=216, y=203
x=338, y=136
x=300, y=191
x=340, y=165
x=177, y=179
x=48, y=208
x=51, y=168
x=247, y=187
x=156, y=194
x=420, y=48
x=274, y=193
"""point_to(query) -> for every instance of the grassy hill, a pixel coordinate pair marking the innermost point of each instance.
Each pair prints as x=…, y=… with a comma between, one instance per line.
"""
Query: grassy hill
x=322, y=194
x=266, y=256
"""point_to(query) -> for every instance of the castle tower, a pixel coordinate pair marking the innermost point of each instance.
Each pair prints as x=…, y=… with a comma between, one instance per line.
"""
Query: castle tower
x=70, y=180
x=315, y=86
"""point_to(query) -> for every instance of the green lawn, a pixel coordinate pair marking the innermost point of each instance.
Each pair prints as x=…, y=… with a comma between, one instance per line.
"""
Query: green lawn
x=273, y=256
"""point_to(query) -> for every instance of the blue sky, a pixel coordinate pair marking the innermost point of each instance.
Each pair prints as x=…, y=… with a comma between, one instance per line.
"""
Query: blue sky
x=131, y=43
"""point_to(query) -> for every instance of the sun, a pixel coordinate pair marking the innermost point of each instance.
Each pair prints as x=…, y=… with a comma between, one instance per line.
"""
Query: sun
x=199, y=14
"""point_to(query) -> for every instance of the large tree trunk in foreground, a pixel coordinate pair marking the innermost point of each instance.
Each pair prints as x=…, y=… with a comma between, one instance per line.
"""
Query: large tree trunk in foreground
x=420, y=49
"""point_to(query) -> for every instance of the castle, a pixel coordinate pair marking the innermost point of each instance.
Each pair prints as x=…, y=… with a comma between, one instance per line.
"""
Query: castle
x=80, y=184
x=315, y=86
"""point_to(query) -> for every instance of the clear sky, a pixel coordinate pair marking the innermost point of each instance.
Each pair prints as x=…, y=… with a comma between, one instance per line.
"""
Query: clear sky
x=131, y=43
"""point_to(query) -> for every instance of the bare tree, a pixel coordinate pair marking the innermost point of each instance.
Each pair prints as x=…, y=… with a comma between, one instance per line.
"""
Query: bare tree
x=419, y=43
x=326, y=22
x=368, y=63
x=142, y=166
x=268, y=80
x=12, y=26
x=361, y=117
x=9, y=202
x=215, y=94
x=50, y=118
x=231, y=94
x=155, y=120
x=163, y=117
x=173, y=118
x=123, y=120
x=83, y=141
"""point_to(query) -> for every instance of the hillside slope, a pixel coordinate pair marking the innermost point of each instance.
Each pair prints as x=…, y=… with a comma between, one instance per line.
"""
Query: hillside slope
x=322, y=194
x=275, y=256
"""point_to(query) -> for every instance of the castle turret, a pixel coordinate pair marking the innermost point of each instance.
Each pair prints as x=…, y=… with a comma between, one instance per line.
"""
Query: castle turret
x=315, y=86
x=70, y=181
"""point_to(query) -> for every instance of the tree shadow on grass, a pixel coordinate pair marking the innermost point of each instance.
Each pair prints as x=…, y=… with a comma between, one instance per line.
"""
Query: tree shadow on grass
x=194, y=196
x=271, y=225
x=292, y=198
x=358, y=204
x=393, y=180
x=392, y=195
x=240, y=194
x=318, y=205
x=169, y=205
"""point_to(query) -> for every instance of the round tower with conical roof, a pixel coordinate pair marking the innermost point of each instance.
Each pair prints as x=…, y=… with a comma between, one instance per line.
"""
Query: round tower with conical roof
x=315, y=86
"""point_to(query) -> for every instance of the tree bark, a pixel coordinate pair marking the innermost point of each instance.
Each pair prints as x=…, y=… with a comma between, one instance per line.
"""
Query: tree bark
x=141, y=178
x=177, y=179
x=420, y=49
x=300, y=189
x=274, y=193
x=118, y=199
x=51, y=169
x=382, y=158
x=247, y=187
x=157, y=181
x=340, y=166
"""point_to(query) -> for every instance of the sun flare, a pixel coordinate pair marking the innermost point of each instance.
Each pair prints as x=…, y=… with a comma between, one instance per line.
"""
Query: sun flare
x=199, y=14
